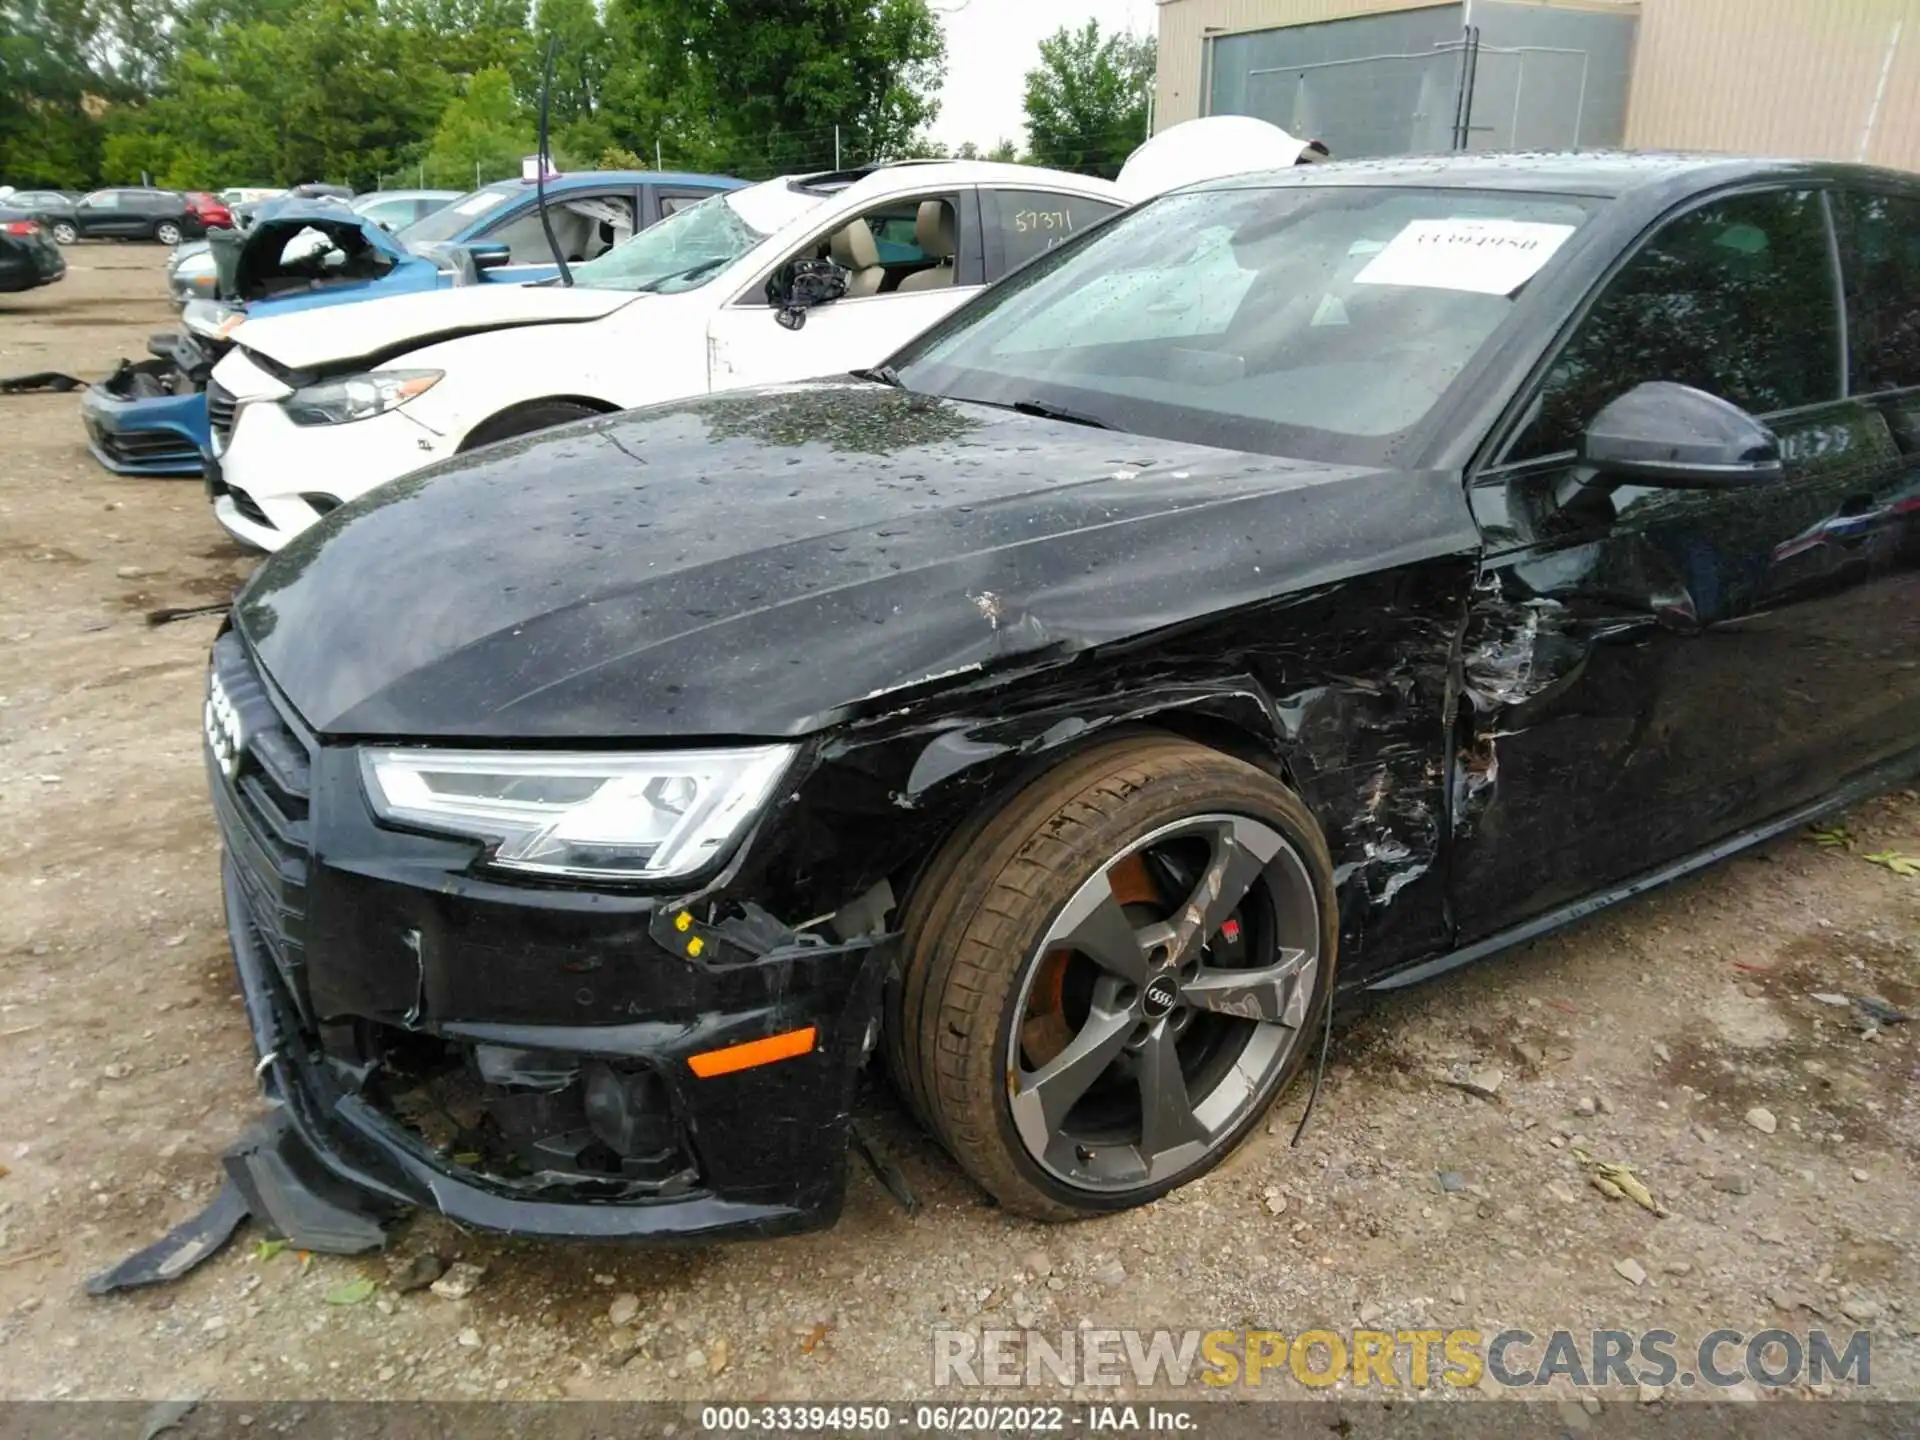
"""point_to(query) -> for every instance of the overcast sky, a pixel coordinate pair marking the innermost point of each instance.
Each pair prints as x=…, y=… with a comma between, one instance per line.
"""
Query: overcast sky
x=991, y=44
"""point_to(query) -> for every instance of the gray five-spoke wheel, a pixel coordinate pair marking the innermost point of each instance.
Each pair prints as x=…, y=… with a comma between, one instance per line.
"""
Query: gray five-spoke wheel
x=1167, y=994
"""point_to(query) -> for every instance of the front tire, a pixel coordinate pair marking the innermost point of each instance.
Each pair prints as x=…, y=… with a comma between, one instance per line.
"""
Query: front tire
x=64, y=233
x=167, y=233
x=1109, y=981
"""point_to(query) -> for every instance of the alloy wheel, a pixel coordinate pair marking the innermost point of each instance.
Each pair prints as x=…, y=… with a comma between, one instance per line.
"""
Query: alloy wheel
x=63, y=233
x=1162, y=1001
x=167, y=233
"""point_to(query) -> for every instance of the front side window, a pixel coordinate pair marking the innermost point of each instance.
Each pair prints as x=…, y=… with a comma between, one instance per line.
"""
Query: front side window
x=1323, y=322
x=585, y=227
x=1880, y=238
x=103, y=200
x=1032, y=222
x=1735, y=298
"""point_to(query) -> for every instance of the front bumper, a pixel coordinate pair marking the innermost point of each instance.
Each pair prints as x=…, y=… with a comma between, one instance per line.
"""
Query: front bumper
x=361, y=950
x=144, y=435
x=284, y=477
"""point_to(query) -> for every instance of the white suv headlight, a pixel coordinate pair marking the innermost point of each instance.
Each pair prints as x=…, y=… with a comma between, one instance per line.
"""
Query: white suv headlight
x=588, y=816
x=357, y=397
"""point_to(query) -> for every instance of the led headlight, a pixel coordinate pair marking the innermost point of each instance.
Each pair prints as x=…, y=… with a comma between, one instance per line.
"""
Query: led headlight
x=357, y=397
x=589, y=816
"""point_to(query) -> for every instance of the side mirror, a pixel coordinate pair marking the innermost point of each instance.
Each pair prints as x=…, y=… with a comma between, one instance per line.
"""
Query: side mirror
x=1678, y=438
x=489, y=256
x=810, y=283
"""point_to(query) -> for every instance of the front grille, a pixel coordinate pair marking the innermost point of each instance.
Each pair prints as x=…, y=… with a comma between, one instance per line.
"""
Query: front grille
x=220, y=407
x=249, y=507
x=141, y=447
x=260, y=769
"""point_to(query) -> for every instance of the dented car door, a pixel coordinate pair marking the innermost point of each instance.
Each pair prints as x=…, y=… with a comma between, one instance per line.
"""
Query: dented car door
x=1650, y=670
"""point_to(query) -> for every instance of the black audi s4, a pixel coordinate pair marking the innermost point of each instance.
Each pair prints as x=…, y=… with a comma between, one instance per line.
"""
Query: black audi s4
x=1295, y=587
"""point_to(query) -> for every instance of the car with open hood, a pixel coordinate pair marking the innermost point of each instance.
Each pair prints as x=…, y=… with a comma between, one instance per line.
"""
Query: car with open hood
x=1294, y=588
x=797, y=276
x=307, y=252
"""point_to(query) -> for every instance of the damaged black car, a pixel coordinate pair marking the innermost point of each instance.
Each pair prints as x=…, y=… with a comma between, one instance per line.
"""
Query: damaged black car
x=1295, y=587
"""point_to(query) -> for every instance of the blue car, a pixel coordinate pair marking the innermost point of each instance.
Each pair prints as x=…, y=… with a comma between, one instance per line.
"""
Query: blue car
x=150, y=416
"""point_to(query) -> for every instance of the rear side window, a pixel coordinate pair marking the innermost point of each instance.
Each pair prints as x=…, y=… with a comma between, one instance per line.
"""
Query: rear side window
x=1736, y=298
x=1032, y=222
x=1880, y=236
x=674, y=201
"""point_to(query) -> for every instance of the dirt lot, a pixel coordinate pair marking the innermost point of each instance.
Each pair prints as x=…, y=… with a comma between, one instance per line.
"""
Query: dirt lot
x=1643, y=1037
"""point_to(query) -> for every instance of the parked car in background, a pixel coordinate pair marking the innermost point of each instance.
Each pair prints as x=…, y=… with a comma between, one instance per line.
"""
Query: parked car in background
x=248, y=194
x=52, y=208
x=133, y=213
x=802, y=275
x=28, y=255
x=397, y=209
x=150, y=418
x=1428, y=554
x=210, y=210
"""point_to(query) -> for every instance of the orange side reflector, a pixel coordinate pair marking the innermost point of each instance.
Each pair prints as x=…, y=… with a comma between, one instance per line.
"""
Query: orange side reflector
x=710, y=1063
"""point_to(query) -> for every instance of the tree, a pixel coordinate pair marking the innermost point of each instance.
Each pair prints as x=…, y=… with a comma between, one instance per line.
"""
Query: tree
x=1086, y=100
x=758, y=86
x=1004, y=151
x=481, y=136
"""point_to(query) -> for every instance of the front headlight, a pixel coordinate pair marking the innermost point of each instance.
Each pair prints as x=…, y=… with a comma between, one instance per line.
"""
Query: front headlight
x=357, y=397
x=588, y=816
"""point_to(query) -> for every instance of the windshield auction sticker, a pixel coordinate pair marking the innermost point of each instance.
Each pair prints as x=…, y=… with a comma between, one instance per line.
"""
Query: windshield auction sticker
x=1488, y=257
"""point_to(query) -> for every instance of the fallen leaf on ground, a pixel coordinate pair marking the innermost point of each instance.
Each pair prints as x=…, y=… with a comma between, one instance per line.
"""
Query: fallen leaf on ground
x=1899, y=864
x=267, y=1249
x=351, y=1293
x=1833, y=838
x=1618, y=1182
x=814, y=1337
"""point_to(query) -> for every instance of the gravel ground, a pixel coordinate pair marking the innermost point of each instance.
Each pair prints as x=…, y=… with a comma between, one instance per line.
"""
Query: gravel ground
x=1653, y=1036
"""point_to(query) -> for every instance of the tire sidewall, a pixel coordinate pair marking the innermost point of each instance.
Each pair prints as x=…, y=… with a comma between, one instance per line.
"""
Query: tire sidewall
x=167, y=233
x=1312, y=851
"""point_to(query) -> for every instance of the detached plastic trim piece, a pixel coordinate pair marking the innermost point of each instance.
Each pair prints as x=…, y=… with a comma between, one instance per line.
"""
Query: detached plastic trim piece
x=191, y=1243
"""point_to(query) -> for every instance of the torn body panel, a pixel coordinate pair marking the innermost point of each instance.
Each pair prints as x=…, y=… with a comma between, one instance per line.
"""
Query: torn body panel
x=1645, y=671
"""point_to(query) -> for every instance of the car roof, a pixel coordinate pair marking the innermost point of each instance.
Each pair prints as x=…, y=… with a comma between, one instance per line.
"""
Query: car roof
x=880, y=179
x=569, y=179
x=1607, y=174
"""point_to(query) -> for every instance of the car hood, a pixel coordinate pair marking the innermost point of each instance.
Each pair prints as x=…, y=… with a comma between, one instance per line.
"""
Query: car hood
x=386, y=326
x=765, y=562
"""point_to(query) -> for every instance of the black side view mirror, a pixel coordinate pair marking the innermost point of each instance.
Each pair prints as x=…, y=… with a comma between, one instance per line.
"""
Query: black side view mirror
x=1678, y=438
x=488, y=256
x=810, y=283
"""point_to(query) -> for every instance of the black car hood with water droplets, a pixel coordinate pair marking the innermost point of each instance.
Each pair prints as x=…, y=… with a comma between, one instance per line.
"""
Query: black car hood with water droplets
x=764, y=562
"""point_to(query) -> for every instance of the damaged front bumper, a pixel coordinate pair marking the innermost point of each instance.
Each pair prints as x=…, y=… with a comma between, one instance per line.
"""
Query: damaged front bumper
x=150, y=416
x=522, y=1059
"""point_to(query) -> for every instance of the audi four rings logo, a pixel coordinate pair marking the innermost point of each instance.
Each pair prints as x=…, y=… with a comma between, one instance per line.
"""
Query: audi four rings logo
x=222, y=723
x=1163, y=992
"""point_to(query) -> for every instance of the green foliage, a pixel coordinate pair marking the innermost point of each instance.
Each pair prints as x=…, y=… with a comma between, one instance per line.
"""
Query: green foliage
x=209, y=93
x=482, y=135
x=758, y=86
x=1086, y=101
x=1005, y=152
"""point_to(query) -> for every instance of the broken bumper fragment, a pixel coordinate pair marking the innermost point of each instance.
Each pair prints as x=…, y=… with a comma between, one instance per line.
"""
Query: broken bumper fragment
x=535, y=1061
x=150, y=416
